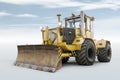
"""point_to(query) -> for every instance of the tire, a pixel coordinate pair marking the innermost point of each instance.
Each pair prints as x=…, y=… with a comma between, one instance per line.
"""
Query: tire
x=86, y=56
x=65, y=60
x=105, y=54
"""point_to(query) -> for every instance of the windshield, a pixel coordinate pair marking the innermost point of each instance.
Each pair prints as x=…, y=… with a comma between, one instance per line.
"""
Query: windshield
x=72, y=23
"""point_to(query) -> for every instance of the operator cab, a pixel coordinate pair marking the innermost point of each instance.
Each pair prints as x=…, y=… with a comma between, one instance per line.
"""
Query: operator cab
x=81, y=22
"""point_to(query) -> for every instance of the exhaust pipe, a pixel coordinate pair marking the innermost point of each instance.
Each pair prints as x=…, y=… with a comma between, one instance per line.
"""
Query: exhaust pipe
x=59, y=21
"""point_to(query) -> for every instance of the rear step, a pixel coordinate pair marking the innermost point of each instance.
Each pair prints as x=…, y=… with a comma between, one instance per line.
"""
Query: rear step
x=39, y=57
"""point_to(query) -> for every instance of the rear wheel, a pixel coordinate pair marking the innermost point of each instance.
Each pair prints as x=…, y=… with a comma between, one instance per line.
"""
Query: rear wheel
x=86, y=56
x=65, y=60
x=104, y=54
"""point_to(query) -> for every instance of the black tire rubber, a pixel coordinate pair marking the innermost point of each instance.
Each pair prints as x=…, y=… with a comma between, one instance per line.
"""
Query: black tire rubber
x=65, y=60
x=105, y=54
x=86, y=56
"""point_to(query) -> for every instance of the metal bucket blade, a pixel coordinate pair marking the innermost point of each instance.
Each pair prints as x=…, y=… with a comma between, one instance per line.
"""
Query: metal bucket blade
x=40, y=57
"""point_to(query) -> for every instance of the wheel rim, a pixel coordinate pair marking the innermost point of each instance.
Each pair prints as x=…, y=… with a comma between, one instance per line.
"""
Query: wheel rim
x=109, y=53
x=90, y=54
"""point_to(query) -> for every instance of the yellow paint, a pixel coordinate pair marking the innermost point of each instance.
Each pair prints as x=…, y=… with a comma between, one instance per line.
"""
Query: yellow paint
x=66, y=55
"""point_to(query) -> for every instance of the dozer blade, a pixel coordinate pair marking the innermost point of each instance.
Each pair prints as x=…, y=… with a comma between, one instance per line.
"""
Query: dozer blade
x=39, y=57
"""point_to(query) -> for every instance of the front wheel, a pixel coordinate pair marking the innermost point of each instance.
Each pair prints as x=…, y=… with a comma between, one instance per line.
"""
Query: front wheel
x=86, y=55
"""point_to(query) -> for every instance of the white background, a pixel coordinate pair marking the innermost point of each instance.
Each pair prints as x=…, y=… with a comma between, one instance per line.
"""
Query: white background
x=10, y=38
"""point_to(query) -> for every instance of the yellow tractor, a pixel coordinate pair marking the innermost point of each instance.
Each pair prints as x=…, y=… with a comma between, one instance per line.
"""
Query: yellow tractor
x=74, y=39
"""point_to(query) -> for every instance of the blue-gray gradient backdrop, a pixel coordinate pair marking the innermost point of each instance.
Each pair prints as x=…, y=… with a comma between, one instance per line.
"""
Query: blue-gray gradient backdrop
x=21, y=21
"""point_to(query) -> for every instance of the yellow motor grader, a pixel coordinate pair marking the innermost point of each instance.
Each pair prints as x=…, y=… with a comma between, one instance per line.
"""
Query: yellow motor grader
x=74, y=39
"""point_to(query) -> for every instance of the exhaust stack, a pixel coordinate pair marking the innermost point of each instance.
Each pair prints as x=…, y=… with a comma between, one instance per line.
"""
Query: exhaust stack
x=59, y=21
